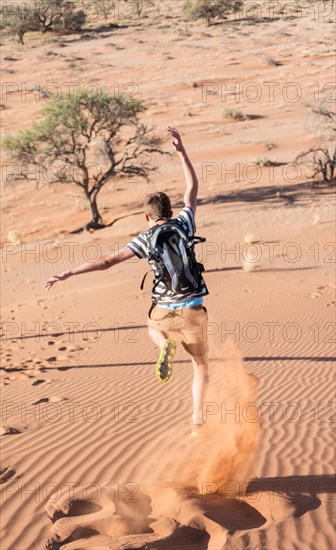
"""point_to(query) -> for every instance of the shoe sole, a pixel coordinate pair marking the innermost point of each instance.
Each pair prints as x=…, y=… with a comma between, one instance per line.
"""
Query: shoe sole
x=164, y=357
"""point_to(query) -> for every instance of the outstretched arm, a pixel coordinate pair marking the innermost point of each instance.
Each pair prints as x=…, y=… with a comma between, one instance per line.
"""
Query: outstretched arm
x=190, y=197
x=103, y=263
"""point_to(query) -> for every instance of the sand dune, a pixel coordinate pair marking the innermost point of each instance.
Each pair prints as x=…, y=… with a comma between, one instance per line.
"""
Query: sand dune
x=94, y=452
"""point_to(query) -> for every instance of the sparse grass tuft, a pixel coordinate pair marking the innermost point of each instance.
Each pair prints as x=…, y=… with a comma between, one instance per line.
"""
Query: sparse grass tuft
x=270, y=61
x=263, y=161
x=234, y=114
x=14, y=236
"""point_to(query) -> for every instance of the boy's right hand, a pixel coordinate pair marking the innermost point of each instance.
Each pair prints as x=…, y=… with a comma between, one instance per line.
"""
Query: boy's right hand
x=177, y=140
x=55, y=279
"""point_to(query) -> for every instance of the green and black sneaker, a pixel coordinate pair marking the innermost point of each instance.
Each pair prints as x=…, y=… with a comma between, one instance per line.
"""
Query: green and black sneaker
x=164, y=366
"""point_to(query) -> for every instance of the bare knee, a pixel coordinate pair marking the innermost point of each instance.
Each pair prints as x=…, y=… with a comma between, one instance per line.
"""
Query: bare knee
x=153, y=334
x=157, y=336
x=200, y=362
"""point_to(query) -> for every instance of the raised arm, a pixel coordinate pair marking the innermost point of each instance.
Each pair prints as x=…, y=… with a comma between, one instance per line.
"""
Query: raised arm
x=102, y=263
x=190, y=196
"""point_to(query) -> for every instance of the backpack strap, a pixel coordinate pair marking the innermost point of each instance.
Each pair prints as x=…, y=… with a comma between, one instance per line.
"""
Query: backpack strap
x=195, y=240
x=150, y=250
x=144, y=278
x=151, y=308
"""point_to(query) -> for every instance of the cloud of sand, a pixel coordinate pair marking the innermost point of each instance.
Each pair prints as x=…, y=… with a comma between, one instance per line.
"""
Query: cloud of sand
x=223, y=454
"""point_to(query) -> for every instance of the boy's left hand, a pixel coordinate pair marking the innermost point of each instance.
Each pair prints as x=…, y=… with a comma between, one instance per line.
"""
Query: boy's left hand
x=56, y=279
x=177, y=141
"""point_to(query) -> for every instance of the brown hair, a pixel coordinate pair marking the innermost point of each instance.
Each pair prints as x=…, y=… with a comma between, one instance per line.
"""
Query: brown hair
x=157, y=205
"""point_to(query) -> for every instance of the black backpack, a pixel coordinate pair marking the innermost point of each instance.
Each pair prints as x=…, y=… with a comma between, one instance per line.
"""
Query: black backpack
x=172, y=253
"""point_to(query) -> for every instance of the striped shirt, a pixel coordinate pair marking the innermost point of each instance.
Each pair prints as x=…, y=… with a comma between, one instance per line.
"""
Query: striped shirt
x=139, y=245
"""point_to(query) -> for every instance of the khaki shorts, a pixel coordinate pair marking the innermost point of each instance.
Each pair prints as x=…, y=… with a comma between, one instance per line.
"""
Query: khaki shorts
x=188, y=323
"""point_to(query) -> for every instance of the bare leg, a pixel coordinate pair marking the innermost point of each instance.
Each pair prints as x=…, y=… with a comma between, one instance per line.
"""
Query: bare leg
x=201, y=377
x=199, y=387
x=157, y=336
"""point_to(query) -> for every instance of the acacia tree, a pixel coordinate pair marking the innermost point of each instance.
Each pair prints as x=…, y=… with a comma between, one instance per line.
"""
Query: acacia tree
x=74, y=132
x=211, y=9
x=17, y=19
x=41, y=15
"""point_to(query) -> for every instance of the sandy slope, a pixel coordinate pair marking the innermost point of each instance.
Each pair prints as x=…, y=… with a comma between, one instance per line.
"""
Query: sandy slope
x=80, y=399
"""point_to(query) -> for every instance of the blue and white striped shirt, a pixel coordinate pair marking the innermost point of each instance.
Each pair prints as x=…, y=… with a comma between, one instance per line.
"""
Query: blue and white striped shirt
x=139, y=245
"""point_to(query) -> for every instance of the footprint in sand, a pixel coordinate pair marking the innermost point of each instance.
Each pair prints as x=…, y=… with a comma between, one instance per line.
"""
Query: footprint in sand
x=6, y=430
x=314, y=295
x=123, y=521
x=64, y=368
x=35, y=372
x=171, y=516
x=62, y=358
x=42, y=400
x=20, y=376
x=6, y=474
x=52, y=399
x=57, y=399
x=40, y=381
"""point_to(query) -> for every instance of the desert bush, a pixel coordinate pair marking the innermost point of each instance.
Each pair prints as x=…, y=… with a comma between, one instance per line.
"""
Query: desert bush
x=138, y=6
x=71, y=21
x=105, y=7
x=59, y=15
x=48, y=13
x=118, y=8
x=211, y=9
x=321, y=160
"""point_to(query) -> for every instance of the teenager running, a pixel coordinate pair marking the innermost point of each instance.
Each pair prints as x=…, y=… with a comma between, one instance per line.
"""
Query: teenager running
x=172, y=314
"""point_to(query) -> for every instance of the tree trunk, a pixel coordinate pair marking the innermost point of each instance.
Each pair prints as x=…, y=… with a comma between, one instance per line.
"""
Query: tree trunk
x=96, y=217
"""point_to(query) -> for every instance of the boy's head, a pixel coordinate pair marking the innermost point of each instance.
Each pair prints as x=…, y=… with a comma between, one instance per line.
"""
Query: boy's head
x=157, y=207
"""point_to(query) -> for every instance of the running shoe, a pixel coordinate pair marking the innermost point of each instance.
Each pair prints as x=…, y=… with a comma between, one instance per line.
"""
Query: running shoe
x=164, y=366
